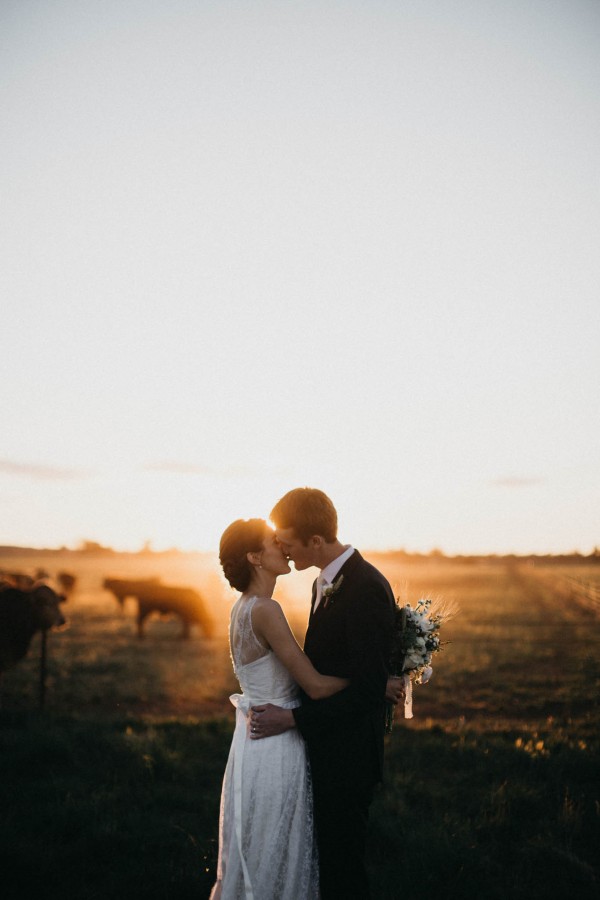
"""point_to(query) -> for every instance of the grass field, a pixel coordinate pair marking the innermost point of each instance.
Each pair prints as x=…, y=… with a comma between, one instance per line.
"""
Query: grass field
x=492, y=790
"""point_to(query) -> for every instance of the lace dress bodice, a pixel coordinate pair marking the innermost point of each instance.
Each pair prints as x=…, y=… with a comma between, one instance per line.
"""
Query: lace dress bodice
x=261, y=675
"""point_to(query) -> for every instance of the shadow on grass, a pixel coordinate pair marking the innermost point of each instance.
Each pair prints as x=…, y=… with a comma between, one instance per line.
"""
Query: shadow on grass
x=130, y=809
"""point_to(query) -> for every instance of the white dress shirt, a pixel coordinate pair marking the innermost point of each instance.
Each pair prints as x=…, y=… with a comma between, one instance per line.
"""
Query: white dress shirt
x=328, y=574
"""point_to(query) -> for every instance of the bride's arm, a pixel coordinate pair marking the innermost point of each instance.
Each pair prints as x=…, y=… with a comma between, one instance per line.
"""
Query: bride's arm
x=271, y=627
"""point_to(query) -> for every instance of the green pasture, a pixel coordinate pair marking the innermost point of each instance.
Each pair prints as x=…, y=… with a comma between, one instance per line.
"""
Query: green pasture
x=492, y=790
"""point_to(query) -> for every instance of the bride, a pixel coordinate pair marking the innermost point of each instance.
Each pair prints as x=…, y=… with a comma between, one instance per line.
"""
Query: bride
x=267, y=848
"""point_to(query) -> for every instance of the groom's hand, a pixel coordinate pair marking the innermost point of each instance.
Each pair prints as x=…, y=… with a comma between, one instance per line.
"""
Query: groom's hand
x=394, y=690
x=265, y=721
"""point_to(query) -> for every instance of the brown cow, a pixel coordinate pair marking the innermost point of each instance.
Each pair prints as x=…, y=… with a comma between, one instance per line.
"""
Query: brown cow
x=16, y=580
x=67, y=581
x=123, y=588
x=166, y=600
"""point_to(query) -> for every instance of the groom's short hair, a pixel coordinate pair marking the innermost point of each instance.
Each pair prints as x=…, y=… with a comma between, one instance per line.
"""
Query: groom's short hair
x=308, y=511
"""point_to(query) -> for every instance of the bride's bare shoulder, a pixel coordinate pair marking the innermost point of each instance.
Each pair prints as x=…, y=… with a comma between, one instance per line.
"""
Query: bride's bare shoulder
x=266, y=608
x=266, y=603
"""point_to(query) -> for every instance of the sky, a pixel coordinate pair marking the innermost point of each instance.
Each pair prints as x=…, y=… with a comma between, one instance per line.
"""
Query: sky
x=247, y=247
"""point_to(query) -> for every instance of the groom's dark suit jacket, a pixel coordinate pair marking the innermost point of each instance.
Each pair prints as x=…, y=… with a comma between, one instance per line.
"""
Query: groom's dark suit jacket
x=350, y=637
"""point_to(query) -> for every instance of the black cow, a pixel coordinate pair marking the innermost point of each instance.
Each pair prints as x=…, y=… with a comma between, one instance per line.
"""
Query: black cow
x=22, y=614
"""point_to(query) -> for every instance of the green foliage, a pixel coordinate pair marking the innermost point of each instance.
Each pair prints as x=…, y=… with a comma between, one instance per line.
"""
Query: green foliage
x=486, y=815
x=122, y=809
x=130, y=809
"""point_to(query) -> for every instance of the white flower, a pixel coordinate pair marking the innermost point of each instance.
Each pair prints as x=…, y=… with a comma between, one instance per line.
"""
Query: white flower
x=426, y=674
x=330, y=590
x=413, y=660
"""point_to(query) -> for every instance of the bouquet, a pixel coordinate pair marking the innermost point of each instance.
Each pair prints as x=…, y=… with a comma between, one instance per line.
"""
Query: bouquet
x=416, y=639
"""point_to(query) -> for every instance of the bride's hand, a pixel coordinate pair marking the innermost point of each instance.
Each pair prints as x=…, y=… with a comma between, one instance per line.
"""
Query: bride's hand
x=394, y=690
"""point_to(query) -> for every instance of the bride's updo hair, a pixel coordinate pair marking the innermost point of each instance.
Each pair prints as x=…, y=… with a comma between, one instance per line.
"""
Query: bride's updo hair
x=241, y=537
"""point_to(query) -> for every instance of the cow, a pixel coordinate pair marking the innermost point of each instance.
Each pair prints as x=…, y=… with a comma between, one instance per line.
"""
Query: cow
x=22, y=614
x=122, y=588
x=67, y=581
x=16, y=580
x=166, y=600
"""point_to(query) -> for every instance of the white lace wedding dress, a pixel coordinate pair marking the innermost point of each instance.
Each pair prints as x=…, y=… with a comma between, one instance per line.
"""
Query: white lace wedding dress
x=267, y=849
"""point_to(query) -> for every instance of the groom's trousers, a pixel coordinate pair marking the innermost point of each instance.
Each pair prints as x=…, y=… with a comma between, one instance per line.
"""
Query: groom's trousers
x=341, y=820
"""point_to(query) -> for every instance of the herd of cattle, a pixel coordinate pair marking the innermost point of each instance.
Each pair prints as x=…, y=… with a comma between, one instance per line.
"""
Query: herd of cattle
x=30, y=604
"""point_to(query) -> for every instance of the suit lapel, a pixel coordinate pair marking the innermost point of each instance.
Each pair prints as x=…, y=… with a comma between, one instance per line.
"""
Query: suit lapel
x=347, y=571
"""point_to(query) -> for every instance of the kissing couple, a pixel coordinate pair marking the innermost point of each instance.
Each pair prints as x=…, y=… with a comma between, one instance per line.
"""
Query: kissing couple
x=307, y=750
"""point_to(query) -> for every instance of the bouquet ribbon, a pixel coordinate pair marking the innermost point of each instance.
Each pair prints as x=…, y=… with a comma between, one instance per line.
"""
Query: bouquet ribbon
x=407, y=682
x=408, y=690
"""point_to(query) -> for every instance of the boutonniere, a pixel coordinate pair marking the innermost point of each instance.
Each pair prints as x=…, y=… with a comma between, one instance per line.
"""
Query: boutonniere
x=329, y=591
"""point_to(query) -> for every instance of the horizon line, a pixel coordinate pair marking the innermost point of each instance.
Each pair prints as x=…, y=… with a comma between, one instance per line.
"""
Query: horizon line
x=94, y=547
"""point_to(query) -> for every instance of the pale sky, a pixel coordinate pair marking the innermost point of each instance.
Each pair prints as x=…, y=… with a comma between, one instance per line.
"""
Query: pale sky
x=248, y=246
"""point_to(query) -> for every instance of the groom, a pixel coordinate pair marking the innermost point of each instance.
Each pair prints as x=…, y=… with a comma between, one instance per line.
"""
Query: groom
x=349, y=635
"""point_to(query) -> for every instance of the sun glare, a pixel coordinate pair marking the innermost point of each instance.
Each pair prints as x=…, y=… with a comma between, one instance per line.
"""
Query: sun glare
x=187, y=512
